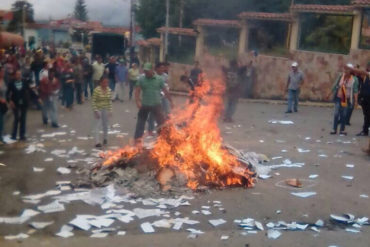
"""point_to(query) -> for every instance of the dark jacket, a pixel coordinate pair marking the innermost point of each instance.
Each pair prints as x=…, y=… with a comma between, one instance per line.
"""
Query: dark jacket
x=21, y=96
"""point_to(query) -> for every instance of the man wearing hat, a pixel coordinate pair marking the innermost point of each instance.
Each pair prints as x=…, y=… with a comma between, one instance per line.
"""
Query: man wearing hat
x=295, y=81
x=148, y=99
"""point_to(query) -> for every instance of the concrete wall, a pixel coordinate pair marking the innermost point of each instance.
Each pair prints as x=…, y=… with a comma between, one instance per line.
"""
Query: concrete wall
x=320, y=71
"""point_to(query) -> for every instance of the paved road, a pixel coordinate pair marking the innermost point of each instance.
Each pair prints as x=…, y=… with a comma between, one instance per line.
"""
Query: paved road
x=251, y=132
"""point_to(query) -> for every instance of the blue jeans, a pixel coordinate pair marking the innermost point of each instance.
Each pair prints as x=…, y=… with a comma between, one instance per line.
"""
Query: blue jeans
x=340, y=114
x=68, y=92
x=230, y=107
x=49, y=109
x=112, y=84
x=293, y=97
x=88, y=83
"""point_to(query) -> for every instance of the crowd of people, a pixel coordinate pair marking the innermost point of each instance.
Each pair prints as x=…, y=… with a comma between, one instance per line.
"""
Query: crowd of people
x=46, y=81
x=33, y=79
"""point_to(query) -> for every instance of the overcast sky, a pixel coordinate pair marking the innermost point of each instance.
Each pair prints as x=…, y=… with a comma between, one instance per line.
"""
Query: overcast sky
x=110, y=12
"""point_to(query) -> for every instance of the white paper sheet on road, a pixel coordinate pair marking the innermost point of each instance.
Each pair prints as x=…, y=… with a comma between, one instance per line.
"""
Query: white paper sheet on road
x=147, y=227
x=99, y=235
x=16, y=237
x=38, y=169
x=40, y=225
x=81, y=222
x=313, y=176
x=25, y=216
x=194, y=231
x=63, y=170
x=52, y=207
x=217, y=222
x=347, y=177
x=303, y=194
x=273, y=234
x=65, y=232
x=144, y=213
x=283, y=122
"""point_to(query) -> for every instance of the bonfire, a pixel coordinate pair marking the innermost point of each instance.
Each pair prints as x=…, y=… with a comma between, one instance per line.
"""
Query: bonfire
x=190, y=144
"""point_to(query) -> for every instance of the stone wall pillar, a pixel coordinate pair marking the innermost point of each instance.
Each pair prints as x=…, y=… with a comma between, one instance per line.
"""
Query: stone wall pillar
x=162, y=49
x=199, y=48
x=243, y=38
x=356, y=29
x=294, y=35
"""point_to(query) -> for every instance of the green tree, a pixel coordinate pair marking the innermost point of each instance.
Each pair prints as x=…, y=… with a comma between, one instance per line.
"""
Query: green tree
x=19, y=8
x=80, y=11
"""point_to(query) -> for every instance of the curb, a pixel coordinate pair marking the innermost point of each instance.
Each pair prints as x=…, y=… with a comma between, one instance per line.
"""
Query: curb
x=270, y=102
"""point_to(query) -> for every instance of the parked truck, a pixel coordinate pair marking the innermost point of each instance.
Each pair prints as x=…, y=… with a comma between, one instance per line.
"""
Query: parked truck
x=108, y=44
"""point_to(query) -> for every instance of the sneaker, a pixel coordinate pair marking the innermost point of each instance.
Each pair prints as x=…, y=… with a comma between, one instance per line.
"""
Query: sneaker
x=333, y=132
x=45, y=121
x=54, y=125
x=98, y=145
x=295, y=110
x=23, y=138
x=343, y=133
x=105, y=142
x=288, y=112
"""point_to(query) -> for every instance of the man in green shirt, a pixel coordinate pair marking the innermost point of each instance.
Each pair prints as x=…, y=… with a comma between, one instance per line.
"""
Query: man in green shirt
x=149, y=87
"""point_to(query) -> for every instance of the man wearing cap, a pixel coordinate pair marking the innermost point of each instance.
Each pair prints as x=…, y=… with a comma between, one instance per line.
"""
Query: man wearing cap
x=149, y=87
x=295, y=81
x=121, y=78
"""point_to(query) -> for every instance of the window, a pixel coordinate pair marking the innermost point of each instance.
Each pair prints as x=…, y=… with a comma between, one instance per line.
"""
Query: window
x=326, y=33
x=365, y=30
x=268, y=37
x=181, y=49
x=221, y=41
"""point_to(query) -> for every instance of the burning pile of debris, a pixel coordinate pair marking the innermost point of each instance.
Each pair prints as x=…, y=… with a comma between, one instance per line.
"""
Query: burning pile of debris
x=188, y=152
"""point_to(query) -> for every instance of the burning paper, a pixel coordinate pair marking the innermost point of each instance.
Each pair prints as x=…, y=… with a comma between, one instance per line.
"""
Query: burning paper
x=190, y=143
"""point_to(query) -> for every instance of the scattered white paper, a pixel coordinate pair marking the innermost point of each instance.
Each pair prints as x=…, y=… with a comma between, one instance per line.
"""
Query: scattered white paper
x=273, y=234
x=313, y=176
x=224, y=237
x=40, y=225
x=99, y=235
x=364, y=196
x=217, y=222
x=206, y=212
x=63, y=170
x=81, y=223
x=352, y=230
x=37, y=169
x=301, y=150
x=147, y=227
x=350, y=165
x=48, y=159
x=283, y=122
x=16, y=237
x=53, y=207
x=347, y=177
x=194, y=231
x=303, y=194
x=65, y=232
x=263, y=176
x=121, y=233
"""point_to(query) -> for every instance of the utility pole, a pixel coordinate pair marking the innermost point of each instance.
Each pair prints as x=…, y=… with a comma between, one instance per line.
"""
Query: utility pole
x=132, y=30
x=167, y=26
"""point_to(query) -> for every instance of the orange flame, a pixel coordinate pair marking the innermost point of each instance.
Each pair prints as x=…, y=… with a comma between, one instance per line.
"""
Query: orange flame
x=190, y=141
